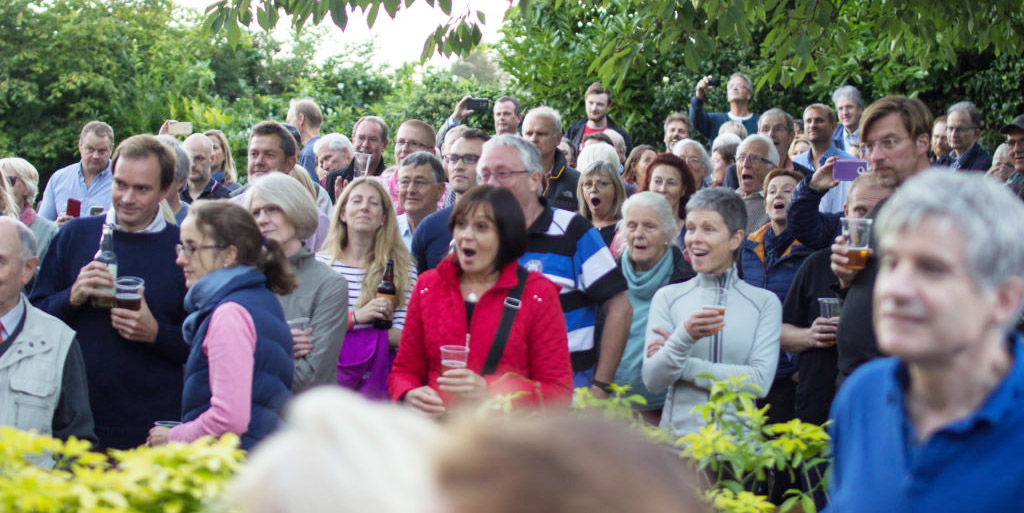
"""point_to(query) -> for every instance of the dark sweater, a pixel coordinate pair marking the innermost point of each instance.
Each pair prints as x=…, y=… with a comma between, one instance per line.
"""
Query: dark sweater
x=131, y=384
x=431, y=240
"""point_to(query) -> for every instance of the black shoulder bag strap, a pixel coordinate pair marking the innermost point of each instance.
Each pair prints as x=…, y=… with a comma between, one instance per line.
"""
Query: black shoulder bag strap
x=508, y=316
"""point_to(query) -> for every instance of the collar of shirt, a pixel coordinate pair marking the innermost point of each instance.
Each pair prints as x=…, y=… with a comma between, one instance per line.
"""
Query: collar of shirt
x=106, y=173
x=11, y=318
x=156, y=226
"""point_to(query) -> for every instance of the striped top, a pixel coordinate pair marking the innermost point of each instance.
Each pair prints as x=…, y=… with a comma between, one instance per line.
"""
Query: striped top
x=355, y=275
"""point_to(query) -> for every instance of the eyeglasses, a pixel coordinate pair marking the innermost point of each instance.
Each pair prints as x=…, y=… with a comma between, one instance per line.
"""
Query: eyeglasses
x=774, y=129
x=415, y=184
x=599, y=184
x=1013, y=143
x=500, y=176
x=959, y=129
x=885, y=144
x=469, y=159
x=410, y=143
x=269, y=210
x=188, y=250
x=12, y=179
x=742, y=157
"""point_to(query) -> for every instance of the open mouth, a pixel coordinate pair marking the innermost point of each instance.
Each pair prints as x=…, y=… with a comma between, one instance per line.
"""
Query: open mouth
x=746, y=177
x=468, y=252
x=595, y=201
x=779, y=205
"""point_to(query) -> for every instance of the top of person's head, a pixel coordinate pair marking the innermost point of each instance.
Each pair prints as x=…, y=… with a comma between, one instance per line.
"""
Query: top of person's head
x=453, y=134
x=726, y=138
x=501, y=207
x=308, y=109
x=617, y=140
x=528, y=153
x=723, y=200
x=678, y=116
x=425, y=158
x=97, y=128
x=334, y=142
x=797, y=176
x=847, y=91
x=656, y=202
x=548, y=113
x=598, y=152
x=734, y=127
x=291, y=196
x=773, y=153
x=199, y=139
x=143, y=146
x=967, y=108
x=337, y=452
x=598, y=88
x=1003, y=150
x=25, y=172
x=869, y=179
x=518, y=108
x=182, y=156
x=599, y=137
x=988, y=217
x=821, y=108
x=561, y=464
x=776, y=112
x=26, y=238
x=287, y=141
x=748, y=83
x=427, y=131
x=377, y=120
x=474, y=133
x=917, y=119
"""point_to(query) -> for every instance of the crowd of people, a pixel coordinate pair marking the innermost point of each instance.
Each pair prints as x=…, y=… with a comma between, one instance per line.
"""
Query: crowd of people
x=524, y=265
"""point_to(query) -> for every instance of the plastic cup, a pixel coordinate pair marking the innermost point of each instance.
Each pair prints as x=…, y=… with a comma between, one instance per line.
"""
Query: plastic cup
x=167, y=423
x=829, y=307
x=298, y=323
x=128, y=292
x=857, y=232
x=362, y=164
x=454, y=357
x=713, y=298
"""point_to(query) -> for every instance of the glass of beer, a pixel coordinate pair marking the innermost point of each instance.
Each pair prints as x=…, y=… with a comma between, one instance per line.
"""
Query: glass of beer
x=128, y=292
x=713, y=298
x=454, y=357
x=857, y=232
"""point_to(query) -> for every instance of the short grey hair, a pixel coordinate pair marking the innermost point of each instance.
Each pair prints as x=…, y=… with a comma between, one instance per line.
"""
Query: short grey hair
x=750, y=83
x=547, y=112
x=29, y=246
x=617, y=140
x=705, y=159
x=596, y=153
x=610, y=171
x=847, y=91
x=292, y=197
x=334, y=142
x=775, y=111
x=987, y=215
x=723, y=200
x=773, y=153
x=726, y=138
x=528, y=153
x=425, y=158
x=968, y=108
x=182, y=157
x=666, y=217
x=1002, y=150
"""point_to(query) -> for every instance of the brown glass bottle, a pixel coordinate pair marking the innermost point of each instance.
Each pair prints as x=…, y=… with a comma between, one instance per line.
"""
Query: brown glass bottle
x=387, y=290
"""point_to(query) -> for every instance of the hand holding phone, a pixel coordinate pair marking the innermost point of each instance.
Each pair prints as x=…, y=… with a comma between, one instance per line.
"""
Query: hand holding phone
x=478, y=104
x=180, y=128
x=848, y=169
x=74, y=207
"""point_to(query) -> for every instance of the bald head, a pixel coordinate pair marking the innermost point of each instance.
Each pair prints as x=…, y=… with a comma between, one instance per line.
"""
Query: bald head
x=17, y=260
x=201, y=148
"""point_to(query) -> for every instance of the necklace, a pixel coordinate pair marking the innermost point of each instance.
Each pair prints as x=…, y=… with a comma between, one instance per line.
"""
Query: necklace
x=472, y=297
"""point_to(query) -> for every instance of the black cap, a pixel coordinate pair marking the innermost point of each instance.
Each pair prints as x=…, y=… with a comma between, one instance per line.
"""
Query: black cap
x=1016, y=124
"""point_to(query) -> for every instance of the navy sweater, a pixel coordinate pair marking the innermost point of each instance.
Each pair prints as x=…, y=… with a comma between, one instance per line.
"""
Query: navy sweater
x=131, y=384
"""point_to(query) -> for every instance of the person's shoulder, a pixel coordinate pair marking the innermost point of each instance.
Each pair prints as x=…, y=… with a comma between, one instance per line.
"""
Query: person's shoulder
x=869, y=381
x=436, y=219
x=39, y=319
x=68, y=169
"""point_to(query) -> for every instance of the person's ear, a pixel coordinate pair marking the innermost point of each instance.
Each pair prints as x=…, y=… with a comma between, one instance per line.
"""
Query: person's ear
x=28, y=271
x=229, y=256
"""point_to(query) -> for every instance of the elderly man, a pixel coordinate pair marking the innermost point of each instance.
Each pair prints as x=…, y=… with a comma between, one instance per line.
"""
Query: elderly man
x=963, y=127
x=598, y=101
x=200, y=184
x=936, y=427
x=304, y=114
x=754, y=158
x=133, y=358
x=570, y=252
x=779, y=126
x=182, y=168
x=87, y=181
x=677, y=127
x=819, y=124
x=412, y=136
x=420, y=187
x=739, y=92
x=41, y=366
x=849, y=106
x=370, y=135
x=1014, y=133
x=333, y=151
x=542, y=127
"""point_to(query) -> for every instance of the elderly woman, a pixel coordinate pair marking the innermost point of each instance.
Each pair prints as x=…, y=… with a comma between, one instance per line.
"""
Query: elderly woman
x=223, y=166
x=22, y=183
x=600, y=194
x=703, y=341
x=697, y=160
x=651, y=261
x=284, y=213
x=468, y=292
x=636, y=165
x=363, y=242
x=1002, y=164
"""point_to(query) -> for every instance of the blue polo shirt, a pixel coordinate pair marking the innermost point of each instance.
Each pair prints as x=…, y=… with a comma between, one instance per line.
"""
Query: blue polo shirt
x=973, y=464
x=68, y=182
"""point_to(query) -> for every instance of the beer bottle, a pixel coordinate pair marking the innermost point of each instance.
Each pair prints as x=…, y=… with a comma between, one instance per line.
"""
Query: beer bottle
x=387, y=290
x=105, y=255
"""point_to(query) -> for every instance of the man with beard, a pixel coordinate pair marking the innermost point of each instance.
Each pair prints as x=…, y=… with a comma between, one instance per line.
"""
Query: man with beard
x=598, y=101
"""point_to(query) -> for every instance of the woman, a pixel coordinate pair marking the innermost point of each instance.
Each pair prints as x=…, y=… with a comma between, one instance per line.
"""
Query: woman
x=223, y=167
x=798, y=146
x=467, y=292
x=600, y=194
x=239, y=370
x=22, y=182
x=1002, y=164
x=285, y=214
x=669, y=176
x=362, y=239
x=636, y=165
x=651, y=261
x=7, y=202
x=697, y=160
x=744, y=341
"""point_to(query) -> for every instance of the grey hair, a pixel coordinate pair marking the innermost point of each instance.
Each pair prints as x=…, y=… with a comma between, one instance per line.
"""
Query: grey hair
x=987, y=215
x=425, y=158
x=528, y=153
x=723, y=200
x=726, y=138
x=609, y=170
x=182, y=157
x=1001, y=151
x=847, y=91
x=29, y=246
x=773, y=153
x=548, y=112
x=750, y=83
x=969, y=108
x=775, y=111
x=292, y=197
x=334, y=142
x=596, y=153
x=656, y=202
x=705, y=159
x=617, y=140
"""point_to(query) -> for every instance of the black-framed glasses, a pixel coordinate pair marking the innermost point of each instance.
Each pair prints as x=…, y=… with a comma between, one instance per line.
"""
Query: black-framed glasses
x=452, y=158
x=188, y=250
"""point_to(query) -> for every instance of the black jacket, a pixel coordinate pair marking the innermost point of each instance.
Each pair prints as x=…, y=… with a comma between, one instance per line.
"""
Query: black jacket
x=560, y=187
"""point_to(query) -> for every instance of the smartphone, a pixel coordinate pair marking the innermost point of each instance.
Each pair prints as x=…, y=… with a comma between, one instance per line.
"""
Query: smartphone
x=74, y=208
x=714, y=82
x=848, y=169
x=478, y=104
x=180, y=128
x=95, y=211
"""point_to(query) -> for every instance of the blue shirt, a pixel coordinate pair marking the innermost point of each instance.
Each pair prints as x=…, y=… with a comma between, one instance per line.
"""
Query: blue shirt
x=432, y=240
x=835, y=198
x=307, y=159
x=972, y=464
x=68, y=182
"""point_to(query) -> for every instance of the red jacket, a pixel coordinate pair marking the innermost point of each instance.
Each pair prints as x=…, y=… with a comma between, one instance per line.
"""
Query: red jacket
x=536, y=357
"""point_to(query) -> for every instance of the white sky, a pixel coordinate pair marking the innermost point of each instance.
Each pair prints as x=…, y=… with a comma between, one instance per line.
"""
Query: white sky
x=397, y=40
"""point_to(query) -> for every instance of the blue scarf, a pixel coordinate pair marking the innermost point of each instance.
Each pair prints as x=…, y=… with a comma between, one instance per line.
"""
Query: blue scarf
x=210, y=290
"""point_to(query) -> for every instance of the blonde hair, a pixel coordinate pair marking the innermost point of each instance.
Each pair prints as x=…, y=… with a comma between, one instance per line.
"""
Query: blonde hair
x=7, y=204
x=302, y=175
x=28, y=174
x=291, y=197
x=219, y=139
x=387, y=244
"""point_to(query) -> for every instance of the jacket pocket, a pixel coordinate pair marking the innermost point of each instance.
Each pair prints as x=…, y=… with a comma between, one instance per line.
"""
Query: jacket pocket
x=33, y=400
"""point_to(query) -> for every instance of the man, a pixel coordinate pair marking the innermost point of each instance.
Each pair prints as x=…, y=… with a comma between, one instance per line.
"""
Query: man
x=272, y=149
x=305, y=115
x=620, y=147
x=432, y=239
x=895, y=136
x=940, y=143
x=333, y=151
x=412, y=136
x=182, y=169
x=936, y=427
x=133, y=358
x=420, y=187
x=87, y=181
x=507, y=116
x=739, y=92
x=1014, y=133
x=568, y=251
x=779, y=126
x=677, y=127
x=819, y=125
x=755, y=156
x=849, y=106
x=370, y=135
x=598, y=101
x=542, y=127
x=41, y=367
x=963, y=129
x=200, y=185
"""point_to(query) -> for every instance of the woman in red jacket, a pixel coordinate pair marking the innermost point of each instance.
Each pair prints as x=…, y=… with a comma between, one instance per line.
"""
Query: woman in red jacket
x=462, y=302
